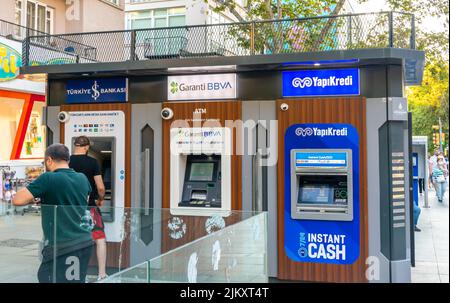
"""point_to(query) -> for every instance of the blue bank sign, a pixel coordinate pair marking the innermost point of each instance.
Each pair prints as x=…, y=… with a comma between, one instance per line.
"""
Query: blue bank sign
x=330, y=82
x=108, y=90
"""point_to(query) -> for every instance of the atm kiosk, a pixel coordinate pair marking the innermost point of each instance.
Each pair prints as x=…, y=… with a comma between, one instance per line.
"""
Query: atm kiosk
x=342, y=186
x=200, y=164
x=323, y=180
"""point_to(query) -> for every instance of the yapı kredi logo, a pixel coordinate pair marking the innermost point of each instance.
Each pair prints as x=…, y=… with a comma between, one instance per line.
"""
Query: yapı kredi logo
x=321, y=132
x=321, y=82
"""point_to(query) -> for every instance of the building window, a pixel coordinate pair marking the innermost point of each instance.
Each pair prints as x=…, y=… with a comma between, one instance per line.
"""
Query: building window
x=218, y=18
x=165, y=17
x=35, y=15
x=115, y=2
x=139, y=1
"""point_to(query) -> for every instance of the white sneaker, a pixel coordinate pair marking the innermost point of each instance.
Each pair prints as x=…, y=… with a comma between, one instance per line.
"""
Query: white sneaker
x=101, y=278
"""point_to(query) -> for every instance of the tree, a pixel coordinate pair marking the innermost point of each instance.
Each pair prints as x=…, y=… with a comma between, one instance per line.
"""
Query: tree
x=283, y=35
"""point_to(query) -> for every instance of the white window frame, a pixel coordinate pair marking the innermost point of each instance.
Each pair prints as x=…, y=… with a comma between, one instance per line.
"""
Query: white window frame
x=48, y=9
x=152, y=16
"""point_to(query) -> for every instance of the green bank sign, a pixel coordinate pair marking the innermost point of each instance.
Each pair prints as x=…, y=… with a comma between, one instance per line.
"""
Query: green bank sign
x=202, y=87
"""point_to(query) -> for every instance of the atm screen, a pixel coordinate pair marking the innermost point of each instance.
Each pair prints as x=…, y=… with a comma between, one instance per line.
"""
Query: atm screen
x=201, y=171
x=322, y=189
x=316, y=194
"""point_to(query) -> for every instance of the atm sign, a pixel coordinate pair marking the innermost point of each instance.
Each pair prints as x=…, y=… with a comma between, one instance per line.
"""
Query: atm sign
x=307, y=159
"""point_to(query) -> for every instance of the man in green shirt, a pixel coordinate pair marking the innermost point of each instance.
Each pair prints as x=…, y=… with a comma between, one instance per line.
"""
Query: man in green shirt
x=66, y=220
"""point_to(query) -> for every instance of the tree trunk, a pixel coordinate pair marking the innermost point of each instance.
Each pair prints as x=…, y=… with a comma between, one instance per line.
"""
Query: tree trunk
x=328, y=25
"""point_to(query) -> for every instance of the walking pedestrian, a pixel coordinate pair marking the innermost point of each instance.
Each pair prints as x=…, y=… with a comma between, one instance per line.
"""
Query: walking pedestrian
x=89, y=166
x=440, y=173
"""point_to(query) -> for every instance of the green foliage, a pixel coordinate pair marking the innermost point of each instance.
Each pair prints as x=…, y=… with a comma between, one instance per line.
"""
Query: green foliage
x=283, y=35
x=430, y=101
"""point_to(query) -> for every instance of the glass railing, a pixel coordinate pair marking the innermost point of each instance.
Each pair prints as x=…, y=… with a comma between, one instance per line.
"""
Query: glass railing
x=55, y=244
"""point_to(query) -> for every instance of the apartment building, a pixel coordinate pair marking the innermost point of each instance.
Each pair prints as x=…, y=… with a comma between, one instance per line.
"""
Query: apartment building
x=22, y=97
x=167, y=13
x=65, y=16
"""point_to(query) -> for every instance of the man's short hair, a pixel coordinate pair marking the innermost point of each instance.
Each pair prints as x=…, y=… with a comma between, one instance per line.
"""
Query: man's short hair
x=58, y=152
x=82, y=141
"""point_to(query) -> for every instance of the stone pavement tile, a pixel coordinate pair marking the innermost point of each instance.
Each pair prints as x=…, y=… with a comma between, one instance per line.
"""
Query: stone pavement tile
x=425, y=278
x=443, y=278
x=443, y=268
x=425, y=268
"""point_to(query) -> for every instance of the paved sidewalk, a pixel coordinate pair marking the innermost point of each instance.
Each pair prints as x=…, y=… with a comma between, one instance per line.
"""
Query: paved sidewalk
x=432, y=243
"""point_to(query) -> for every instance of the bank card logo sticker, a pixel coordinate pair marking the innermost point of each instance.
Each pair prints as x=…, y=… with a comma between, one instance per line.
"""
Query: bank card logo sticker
x=321, y=82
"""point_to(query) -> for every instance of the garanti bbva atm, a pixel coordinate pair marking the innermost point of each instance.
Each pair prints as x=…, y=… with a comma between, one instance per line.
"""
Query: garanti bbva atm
x=200, y=164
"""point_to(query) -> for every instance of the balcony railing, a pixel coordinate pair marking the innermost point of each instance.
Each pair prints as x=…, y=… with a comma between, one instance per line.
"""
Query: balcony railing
x=324, y=33
x=47, y=53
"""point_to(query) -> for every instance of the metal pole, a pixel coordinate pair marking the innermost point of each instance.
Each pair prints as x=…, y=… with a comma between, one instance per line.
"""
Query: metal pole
x=252, y=38
x=349, y=32
x=391, y=29
x=413, y=33
x=133, y=46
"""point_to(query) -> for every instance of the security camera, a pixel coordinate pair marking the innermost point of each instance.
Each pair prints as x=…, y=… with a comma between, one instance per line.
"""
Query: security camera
x=284, y=107
x=166, y=113
x=63, y=117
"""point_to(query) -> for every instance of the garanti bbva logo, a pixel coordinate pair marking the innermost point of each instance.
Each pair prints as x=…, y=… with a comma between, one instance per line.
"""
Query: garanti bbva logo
x=321, y=132
x=207, y=86
x=173, y=87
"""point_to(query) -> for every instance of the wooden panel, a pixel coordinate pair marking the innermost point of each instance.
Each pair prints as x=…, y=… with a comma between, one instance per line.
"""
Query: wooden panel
x=323, y=110
x=114, y=250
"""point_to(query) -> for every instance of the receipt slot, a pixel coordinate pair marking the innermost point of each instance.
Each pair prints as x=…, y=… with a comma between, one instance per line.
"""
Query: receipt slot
x=200, y=169
x=323, y=183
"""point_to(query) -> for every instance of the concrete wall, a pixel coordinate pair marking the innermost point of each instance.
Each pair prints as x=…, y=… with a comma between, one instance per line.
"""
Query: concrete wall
x=7, y=10
x=93, y=15
x=101, y=16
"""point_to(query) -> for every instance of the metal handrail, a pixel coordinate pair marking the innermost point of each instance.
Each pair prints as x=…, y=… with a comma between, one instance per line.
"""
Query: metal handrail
x=249, y=37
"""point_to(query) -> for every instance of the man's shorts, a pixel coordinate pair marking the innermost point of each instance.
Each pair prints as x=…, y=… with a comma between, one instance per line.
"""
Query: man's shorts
x=98, y=232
